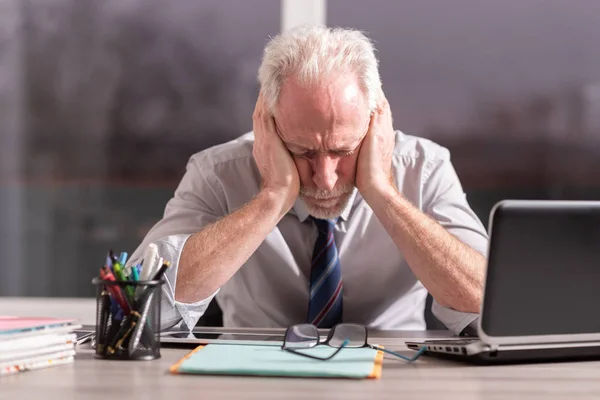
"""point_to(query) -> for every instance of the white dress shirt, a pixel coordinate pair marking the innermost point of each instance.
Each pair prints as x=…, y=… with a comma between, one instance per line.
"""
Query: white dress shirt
x=271, y=288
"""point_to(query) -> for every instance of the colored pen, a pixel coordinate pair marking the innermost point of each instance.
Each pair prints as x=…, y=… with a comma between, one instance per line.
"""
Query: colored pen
x=123, y=259
x=145, y=293
x=115, y=290
x=134, y=273
x=121, y=276
x=161, y=271
x=109, y=263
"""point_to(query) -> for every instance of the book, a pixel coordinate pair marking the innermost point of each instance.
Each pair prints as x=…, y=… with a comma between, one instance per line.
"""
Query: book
x=11, y=326
x=27, y=353
x=33, y=363
x=32, y=343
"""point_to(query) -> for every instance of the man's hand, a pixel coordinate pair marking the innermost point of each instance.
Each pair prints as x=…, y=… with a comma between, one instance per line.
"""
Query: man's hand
x=374, y=169
x=276, y=166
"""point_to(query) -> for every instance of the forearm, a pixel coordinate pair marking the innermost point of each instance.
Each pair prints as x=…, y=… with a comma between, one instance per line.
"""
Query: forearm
x=450, y=270
x=212, y=256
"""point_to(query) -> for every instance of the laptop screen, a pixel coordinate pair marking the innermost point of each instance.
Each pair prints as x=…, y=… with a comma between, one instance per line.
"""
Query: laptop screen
x=543, y=270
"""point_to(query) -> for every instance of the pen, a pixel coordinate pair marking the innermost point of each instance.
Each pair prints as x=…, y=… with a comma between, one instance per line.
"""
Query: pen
x=102, y=320
x=123, y=259
x=109, y=263
x=134, y=273
x=119, y=272
x=157, y=266
x=115, y=290
x=146, y=292
x=115, y=308
x=161, y=271
x=122, y=333
x=112, y=327
x=140, y=301
x=121, y=276
x=111, y=255
x=141, y=324
x=150, y=262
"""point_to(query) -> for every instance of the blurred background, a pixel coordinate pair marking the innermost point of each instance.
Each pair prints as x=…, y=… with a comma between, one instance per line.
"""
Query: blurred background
x=103, y=102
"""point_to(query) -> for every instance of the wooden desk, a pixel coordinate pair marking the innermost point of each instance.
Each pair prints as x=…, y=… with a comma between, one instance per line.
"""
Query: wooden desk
x=89, y=378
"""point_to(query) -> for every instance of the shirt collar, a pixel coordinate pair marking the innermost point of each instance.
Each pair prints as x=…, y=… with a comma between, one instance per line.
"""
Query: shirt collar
x=301, y=211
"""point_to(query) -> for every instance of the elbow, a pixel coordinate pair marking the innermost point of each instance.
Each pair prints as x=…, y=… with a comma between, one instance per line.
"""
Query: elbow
x=472, y=300
x=182, y=292
x=466, y=299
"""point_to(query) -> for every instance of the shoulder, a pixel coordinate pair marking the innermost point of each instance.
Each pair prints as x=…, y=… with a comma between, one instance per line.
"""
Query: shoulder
x=417, y=156
x=237, y=151
x=410, y=147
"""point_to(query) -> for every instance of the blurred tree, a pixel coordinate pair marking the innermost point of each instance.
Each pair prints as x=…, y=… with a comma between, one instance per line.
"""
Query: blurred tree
x=128, y=89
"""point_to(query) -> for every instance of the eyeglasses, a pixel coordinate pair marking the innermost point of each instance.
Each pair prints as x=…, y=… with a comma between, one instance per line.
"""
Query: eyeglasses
x=306, y=336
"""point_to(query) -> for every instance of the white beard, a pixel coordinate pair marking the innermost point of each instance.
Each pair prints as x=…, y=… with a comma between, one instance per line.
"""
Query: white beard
x=312, y=198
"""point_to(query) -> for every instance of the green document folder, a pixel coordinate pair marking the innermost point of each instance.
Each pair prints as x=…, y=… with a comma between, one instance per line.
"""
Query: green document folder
x=224, y=359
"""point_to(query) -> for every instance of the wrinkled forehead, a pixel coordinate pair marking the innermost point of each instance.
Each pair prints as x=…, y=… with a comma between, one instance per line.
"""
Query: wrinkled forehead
x=337, y=106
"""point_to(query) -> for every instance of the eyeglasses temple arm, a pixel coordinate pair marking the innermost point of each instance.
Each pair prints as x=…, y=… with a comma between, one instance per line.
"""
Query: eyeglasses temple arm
x=413, y=358
x=315, y=357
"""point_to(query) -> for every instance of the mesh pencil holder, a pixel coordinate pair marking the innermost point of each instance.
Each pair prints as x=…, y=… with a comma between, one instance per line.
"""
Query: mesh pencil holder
x=128, y=319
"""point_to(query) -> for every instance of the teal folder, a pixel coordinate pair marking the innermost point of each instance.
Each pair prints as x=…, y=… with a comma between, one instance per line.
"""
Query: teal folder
x=224, y=359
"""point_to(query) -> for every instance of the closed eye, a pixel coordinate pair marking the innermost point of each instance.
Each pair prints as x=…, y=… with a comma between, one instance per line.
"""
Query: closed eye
x=306, y=154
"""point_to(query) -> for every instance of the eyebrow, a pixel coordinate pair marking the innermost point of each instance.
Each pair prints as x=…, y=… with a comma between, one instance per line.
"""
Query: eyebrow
x=301, y=149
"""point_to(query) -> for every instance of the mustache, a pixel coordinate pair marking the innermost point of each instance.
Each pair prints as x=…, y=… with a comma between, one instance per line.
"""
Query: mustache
x=320, y=194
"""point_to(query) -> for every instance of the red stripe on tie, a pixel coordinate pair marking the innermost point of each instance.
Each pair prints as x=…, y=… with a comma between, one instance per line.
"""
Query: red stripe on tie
x=328, y=306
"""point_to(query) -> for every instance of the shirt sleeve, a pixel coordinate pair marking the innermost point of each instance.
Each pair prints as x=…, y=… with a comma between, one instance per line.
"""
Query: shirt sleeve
x=195, y=204
x=445, y=201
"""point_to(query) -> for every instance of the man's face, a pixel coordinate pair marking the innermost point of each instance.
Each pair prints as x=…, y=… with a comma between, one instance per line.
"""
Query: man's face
x=323, y=128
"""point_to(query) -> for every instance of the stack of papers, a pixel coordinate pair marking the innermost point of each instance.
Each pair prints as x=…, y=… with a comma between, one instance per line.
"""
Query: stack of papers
x=33, y=343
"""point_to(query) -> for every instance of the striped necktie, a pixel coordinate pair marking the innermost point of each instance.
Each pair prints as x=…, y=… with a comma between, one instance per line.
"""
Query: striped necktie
x=325, y=299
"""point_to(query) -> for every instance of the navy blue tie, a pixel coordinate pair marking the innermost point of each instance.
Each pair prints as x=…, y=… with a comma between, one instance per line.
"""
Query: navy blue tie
x=325, y=299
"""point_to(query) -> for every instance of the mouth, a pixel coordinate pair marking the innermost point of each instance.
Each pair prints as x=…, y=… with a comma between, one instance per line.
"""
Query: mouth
x=324, y=203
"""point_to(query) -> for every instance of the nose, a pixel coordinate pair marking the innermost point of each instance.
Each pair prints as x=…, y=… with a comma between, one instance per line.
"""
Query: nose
x=324, y=172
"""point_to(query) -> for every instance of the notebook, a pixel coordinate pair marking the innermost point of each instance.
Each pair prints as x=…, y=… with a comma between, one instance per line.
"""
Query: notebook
x=256, y=360
x=11, y=327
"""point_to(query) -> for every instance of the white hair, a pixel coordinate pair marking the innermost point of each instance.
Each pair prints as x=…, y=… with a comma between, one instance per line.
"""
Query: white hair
x=312, y=53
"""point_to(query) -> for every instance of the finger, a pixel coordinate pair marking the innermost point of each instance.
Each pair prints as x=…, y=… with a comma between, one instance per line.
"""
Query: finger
x=258, y=107
x=373, y=123
x=270, y=124
x=267, y=117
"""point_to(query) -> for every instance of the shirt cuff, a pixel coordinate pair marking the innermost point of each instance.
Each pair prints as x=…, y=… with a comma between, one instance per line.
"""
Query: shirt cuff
x=175, y=313
x=456, y=321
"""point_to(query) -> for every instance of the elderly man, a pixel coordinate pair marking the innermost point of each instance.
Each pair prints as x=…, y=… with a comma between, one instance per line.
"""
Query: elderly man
x=324, y=213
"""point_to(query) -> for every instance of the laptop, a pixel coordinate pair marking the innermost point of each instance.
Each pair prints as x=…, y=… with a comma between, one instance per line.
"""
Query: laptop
x=542, y=290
